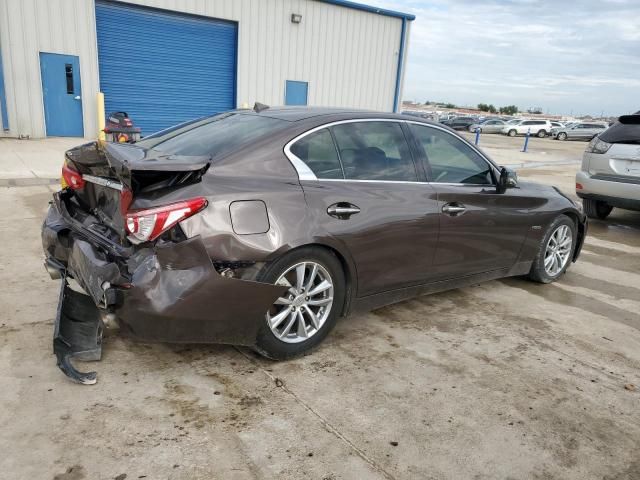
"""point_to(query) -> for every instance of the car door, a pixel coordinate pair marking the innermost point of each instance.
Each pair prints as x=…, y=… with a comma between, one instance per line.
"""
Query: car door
x=576, y=131
x=367, y=192
x=480, y=230
x=525, y=126
x=494, y=126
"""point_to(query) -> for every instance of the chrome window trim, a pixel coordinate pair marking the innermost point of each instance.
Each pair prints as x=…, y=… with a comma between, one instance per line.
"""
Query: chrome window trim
x=105, y=182
x=356, y=180
x=305, y=173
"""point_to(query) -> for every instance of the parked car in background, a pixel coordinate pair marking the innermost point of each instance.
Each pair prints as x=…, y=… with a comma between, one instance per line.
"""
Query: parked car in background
x=580, y=131
x=425, y=115
x=610, y=173
x=488, y=126
x=262, y=228
x=534, y=127
x=556, y=125
x=461, y=123
x=445, y=118
x=555, y=130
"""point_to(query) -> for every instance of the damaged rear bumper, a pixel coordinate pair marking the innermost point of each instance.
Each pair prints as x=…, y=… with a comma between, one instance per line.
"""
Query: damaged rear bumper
x=168, y=293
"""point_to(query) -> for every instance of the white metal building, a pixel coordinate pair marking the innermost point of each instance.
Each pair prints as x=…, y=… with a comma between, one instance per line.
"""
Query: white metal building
x=167, y=61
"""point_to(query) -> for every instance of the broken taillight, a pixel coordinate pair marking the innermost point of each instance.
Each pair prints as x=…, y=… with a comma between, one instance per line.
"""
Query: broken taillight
x=147, y=225
x=71, y=177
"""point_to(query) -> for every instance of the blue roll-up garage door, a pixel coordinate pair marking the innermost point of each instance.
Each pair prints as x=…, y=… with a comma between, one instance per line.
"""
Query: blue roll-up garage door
x=162, y=67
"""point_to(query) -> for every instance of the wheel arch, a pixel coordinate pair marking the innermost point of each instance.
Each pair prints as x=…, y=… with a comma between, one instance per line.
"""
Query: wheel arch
x=581, y=231
x=347, y=263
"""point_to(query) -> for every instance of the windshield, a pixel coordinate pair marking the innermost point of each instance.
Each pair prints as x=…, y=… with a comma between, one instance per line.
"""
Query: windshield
x=213, y=136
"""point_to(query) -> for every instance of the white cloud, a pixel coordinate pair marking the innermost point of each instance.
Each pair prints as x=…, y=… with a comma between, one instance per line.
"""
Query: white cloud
x=546, y=53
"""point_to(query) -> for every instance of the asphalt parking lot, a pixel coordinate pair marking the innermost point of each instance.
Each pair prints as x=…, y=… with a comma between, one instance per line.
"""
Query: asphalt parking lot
x=504, y=380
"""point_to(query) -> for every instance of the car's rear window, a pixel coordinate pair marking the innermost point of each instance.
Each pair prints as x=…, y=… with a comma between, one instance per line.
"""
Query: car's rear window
x=627, y=130
x=214, y=136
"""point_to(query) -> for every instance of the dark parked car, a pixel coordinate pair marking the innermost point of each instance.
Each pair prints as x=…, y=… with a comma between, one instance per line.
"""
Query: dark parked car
x=461, y=123
x=262, y=228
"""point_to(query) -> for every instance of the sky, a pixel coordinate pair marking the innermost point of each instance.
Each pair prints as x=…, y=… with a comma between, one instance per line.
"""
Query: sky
x=568, y=57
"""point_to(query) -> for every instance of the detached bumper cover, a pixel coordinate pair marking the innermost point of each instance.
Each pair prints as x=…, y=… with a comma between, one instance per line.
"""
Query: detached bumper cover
x=77, y=333
x=168, y=293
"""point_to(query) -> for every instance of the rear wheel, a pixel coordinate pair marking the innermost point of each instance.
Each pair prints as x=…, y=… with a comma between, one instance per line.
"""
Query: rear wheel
x=555, y=251
x=542, y=133
x=562, y=136
x=596, y=208
x=306, y=313
x=512, y=133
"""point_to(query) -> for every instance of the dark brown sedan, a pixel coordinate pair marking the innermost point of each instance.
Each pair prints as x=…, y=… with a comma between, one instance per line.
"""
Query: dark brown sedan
x=261, y=228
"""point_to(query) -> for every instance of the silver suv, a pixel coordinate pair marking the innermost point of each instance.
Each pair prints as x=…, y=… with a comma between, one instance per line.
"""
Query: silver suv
x=579, y=131
x=610, y=172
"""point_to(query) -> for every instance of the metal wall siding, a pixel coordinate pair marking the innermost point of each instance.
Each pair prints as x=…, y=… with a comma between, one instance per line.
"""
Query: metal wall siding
x=28, y=27
x=349, y=57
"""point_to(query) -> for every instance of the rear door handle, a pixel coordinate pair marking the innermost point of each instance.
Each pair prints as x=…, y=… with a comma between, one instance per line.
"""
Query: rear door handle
x=454, y=209
x=343, y=210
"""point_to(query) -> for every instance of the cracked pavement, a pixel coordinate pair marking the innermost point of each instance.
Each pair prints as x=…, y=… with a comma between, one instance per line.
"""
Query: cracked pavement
x=506, y=379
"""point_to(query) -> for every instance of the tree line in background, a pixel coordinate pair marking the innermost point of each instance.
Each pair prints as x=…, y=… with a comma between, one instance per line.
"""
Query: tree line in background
x=508, y=110
x=483, y=107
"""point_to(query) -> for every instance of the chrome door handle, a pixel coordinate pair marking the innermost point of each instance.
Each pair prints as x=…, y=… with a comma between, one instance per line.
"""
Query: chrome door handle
x=453, y=209
x=342, y=210
x=77, y=97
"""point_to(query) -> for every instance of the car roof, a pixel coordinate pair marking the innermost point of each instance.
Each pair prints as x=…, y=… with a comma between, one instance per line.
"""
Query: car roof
x=320, y=115
x=294, y=114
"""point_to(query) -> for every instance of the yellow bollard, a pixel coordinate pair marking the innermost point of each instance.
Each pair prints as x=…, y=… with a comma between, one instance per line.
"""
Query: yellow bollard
x=100, y=102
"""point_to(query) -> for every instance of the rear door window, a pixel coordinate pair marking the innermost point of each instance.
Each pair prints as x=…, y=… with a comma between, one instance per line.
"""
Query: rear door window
x=213, y=136
x=318, y=151
x=451, y=160
x=374, y=151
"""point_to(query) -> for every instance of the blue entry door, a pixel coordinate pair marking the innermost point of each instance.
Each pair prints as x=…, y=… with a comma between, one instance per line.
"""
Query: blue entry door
x=62, y=95
x=295, y=93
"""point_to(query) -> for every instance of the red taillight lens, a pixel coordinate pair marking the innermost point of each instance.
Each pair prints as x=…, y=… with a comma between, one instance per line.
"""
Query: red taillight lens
x=147, y=225
x=579, y=186
x=71, y=177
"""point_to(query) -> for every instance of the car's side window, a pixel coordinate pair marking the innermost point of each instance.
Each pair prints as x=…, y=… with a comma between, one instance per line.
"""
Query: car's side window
x=374, y=151
x=318, y=151
x=451, y=160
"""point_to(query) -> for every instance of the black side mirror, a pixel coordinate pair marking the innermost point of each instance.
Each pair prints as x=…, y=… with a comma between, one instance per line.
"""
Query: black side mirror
x=508, y=179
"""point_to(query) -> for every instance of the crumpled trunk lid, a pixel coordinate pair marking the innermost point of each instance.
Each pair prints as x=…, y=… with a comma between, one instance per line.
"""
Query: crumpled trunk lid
x=115, y=174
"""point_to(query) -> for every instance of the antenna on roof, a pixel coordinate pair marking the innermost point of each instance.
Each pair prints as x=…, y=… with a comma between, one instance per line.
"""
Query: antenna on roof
x=258, y=107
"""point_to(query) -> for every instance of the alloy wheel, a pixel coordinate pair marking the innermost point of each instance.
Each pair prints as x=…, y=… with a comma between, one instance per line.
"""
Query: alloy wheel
x=305, y=307
x=558, y=249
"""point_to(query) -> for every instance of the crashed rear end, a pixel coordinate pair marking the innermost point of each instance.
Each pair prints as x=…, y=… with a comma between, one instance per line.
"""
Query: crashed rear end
x=136, y=266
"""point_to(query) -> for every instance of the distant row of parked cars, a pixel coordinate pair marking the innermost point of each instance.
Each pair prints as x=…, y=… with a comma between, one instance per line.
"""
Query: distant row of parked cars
x=540, y=128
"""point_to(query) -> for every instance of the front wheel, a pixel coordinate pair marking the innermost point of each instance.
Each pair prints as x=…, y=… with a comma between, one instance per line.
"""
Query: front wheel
x=555, y=251
x=304, y=315
x=512, y=133
x=562, y=136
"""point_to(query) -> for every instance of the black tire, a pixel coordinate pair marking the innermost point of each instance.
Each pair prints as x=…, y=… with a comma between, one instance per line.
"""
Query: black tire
x=596, y=208
x=270, y=346
x=562, y=136
x=542, y=133
x=538, y=272
x=512, y=133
